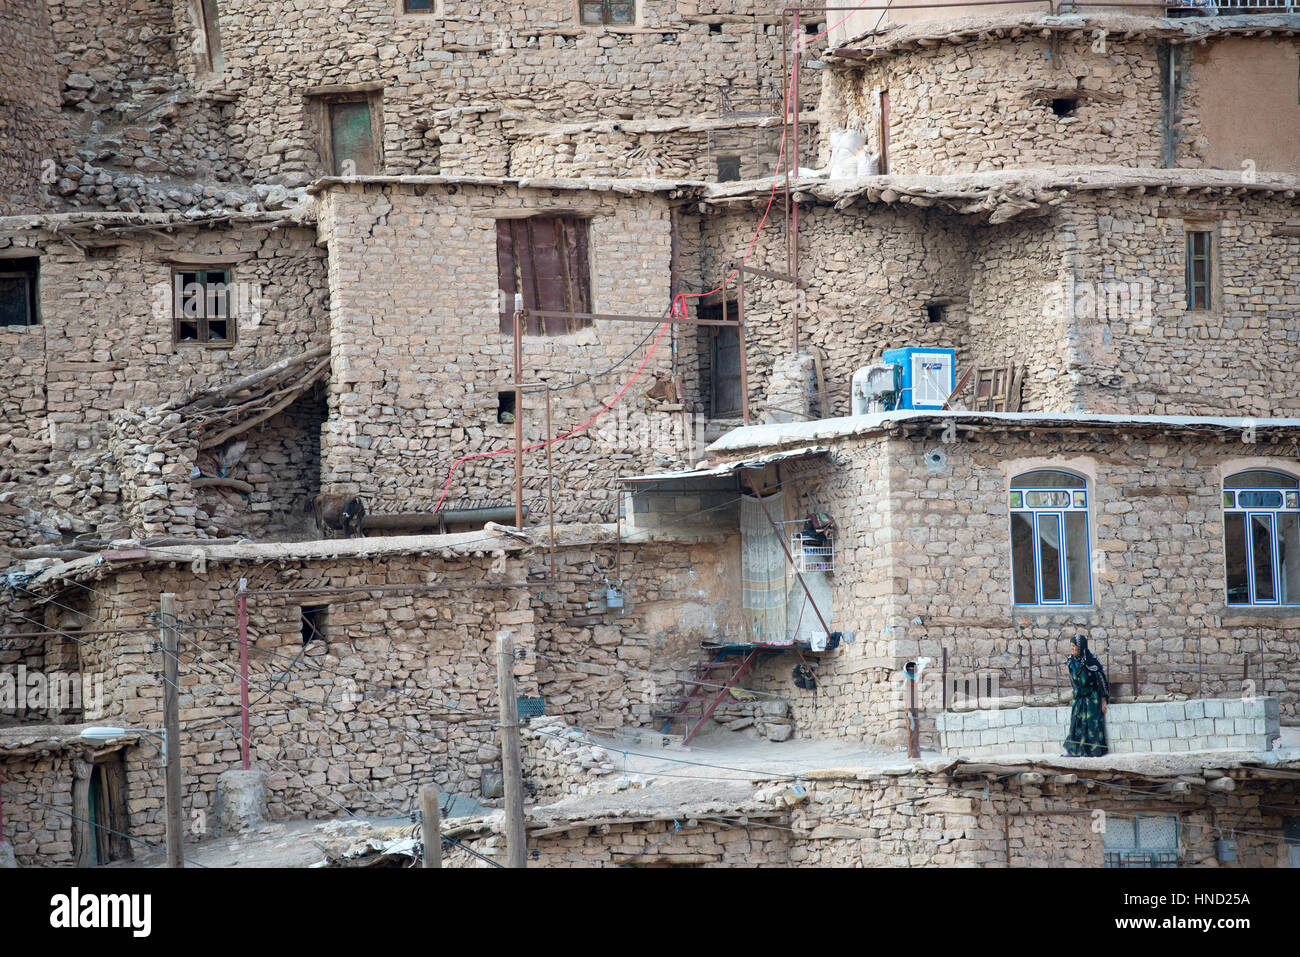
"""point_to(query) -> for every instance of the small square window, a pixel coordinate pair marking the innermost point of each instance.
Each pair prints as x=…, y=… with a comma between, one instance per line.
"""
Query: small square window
x=418, y=6
x=728, y=169
x=1065, y=105
x=936, y=312
x=506, y=407
x=313, y=624
x=201, y=307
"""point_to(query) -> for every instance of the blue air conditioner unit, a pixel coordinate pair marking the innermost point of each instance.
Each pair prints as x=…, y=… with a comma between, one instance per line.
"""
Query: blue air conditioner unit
x=928, y=376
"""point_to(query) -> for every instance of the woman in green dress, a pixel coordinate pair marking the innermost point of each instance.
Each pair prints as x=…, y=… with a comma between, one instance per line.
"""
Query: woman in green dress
x=1087, y=734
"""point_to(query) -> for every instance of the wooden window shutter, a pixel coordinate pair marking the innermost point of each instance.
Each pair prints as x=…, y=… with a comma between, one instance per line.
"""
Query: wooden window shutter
x=544, y=259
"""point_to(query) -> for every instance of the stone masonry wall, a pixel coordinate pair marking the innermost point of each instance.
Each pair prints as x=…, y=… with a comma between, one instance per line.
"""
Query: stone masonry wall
x=1156, y=534
x=28, y=106
x=419, y=358
x=104, y=346
x=897, y=818
x=1163, y=727
x=988, y=105
x=401, y=692
x=1136, y=347
x=924, y=566
x=534, y=59
x=991, y=279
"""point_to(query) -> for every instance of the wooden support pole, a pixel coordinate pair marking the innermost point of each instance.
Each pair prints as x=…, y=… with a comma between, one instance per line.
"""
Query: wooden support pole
x=171, y=727
x=511, y=767
x=431, y=825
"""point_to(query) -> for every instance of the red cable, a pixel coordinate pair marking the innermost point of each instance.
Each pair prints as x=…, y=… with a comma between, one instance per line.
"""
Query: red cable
x=678, y=301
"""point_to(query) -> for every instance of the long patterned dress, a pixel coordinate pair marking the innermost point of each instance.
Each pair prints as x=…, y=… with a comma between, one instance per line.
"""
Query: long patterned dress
x=1087, y=734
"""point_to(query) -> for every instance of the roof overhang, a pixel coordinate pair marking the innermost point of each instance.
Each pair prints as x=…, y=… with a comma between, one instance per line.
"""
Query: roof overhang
x=726, y=468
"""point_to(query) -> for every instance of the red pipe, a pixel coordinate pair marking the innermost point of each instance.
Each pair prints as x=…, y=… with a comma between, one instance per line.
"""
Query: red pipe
x=243, y=672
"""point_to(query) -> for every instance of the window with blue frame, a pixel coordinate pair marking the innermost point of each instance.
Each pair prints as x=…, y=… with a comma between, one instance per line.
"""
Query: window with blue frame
x=1049, y=539
x=1144, y=840
x=1261, y=538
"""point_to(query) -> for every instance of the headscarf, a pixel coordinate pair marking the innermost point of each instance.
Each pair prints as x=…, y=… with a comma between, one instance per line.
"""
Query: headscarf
x=1087, y=660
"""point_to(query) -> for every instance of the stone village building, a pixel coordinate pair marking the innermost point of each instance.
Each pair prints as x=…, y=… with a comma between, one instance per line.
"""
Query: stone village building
x=251, y=255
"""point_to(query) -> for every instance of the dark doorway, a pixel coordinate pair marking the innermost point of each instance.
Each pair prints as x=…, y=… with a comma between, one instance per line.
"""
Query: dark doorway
x=724, y=362
x=99, y=800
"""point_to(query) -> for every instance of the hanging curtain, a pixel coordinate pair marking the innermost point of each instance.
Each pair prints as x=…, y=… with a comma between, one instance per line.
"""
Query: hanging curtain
x=763, y=572
x=804, y=625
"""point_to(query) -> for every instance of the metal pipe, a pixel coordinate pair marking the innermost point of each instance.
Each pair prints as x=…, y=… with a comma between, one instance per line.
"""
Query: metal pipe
x=519, y=419
x=605, y=317
x=550, y=482
x=744, y=361
x=785, y=134
x=789, y=557
x=794, y=206
x=243, y=674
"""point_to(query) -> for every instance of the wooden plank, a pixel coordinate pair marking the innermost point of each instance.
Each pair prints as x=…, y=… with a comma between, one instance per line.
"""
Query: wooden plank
x=521, y=232
x=506, y=282
x=549, y=271
x=960, y=385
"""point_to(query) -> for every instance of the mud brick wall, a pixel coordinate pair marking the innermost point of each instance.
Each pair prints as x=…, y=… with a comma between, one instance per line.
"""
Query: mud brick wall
x=419, y=356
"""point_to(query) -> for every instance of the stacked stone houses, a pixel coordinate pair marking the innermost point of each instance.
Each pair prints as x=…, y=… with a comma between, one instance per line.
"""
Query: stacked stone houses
x=250, y=254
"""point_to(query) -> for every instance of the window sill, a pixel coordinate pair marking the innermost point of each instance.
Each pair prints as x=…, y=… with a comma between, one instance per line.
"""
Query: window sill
x=1261, y=614
x=215, y=346
x=1076, y=611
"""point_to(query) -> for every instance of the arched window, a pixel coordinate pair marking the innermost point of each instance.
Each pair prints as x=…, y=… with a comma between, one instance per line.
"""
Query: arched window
x=1049, y=539
x=1261, y=538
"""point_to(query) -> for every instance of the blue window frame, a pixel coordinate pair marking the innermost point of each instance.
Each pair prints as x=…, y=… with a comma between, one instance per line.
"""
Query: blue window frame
x=1144, y=840
x=1050, y=555
x=1261, y=538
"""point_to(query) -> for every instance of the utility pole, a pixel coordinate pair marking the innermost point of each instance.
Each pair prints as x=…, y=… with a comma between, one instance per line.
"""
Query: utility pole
x=431, y=825
x=511, y=769
x=171, y=727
